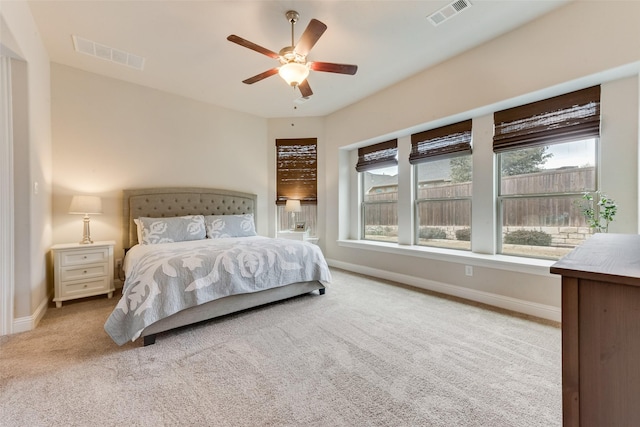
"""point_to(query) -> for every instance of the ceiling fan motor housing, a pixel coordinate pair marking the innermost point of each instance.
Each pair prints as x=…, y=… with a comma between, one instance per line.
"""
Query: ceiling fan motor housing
x=288, y=54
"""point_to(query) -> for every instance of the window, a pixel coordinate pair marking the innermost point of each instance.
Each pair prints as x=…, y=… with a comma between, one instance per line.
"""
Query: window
x=378, y=168
x=546, y=154
x=443, y=186
x=296, y=179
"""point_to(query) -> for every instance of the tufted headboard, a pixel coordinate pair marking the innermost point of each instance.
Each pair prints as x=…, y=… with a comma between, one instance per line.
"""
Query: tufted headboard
x=169, y=201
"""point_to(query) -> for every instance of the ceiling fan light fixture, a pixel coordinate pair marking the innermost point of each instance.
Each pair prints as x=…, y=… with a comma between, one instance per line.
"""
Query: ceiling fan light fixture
x=293, y=73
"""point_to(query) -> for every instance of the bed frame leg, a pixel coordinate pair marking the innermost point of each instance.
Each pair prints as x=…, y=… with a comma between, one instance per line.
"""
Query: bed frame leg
x=149, y=340
x=321, y=291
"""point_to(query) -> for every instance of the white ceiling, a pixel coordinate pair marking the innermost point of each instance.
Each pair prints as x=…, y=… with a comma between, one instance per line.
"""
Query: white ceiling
x=186, y=52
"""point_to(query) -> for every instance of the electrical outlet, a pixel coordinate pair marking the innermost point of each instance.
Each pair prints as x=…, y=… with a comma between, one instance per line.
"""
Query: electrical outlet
x=119, y=264
x=468, y=270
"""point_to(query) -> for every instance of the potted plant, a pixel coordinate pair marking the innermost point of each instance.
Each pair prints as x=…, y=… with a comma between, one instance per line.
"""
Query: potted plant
x=598, y=210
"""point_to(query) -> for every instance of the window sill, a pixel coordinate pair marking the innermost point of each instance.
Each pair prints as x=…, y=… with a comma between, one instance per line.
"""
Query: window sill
x=500, y=262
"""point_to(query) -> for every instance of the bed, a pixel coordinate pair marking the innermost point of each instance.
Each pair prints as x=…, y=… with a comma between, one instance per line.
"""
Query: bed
x=162, y=274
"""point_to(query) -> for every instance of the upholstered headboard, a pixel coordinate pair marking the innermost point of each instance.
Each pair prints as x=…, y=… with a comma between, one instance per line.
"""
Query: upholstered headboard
x=169, y=201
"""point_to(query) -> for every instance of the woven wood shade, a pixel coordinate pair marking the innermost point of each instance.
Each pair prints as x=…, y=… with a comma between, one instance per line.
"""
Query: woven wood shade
x=447, y=141
x=297, y=170
x=566, y=117
x=377, y=156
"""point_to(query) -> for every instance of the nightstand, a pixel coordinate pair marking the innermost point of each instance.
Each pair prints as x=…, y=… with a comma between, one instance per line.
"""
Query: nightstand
x=297, y=235
x=82, y=270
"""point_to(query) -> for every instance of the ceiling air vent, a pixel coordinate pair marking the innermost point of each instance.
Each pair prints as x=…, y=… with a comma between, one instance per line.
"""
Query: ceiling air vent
x=449, y=11
x=107, y=53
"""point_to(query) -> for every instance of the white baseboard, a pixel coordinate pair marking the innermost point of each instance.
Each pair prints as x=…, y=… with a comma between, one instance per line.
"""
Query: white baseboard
x=521, y=306
x=28, y=323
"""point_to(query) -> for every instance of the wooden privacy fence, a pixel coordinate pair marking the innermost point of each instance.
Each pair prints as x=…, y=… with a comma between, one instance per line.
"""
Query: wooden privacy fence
x=537, y=211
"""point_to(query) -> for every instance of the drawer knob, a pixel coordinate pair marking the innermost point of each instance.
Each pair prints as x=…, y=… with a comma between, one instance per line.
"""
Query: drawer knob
x=85, y=257
x=84, y=272
x=85, y=286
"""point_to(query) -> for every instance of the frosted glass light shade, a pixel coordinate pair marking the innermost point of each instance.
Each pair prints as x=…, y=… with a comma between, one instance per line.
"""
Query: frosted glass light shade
x=293, y=73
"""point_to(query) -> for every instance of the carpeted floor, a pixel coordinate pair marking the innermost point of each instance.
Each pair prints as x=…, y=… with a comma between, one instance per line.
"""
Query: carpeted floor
x=365, y=354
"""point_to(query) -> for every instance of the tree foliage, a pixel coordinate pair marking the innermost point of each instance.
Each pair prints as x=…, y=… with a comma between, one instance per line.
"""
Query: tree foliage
x=518, y=162
x=461, y=169
x=528, y=160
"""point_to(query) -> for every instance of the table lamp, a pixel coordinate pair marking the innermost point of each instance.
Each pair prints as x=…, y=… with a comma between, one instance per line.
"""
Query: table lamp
x=85, y=205
x=292, y=206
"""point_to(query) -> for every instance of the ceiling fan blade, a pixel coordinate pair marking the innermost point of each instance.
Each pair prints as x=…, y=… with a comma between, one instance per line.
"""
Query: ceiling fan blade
x=305, y=89
x=249, y=45
x=311, y=34
x=329, y=67
x=261, y=76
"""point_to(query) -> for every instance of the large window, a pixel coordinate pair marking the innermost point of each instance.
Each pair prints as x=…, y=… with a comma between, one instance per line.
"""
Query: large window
x=547, y=158
x=443, y=185
x=296, y=179
x=378, y=168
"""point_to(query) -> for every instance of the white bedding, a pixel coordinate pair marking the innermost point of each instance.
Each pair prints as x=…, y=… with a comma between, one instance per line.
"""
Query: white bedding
x=162, y=279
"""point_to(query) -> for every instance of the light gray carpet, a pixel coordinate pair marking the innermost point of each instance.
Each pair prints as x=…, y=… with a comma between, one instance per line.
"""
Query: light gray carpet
x=365, y=354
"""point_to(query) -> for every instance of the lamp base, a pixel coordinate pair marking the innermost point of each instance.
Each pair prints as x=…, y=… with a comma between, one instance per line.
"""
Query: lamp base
x=293, y=221
x=86, y=234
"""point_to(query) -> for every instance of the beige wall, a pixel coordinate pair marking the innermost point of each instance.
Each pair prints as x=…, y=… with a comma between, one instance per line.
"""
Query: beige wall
x=33, y=163
x=109, y=135
x=570, y=48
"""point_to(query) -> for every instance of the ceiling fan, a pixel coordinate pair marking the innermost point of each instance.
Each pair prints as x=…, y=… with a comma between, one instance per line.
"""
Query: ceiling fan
x=294, y=67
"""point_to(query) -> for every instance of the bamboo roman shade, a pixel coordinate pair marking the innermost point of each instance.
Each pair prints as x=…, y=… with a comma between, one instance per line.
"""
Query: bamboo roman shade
x=377, y=156
x=296, y=170
x=566, y=117
x=446, y=141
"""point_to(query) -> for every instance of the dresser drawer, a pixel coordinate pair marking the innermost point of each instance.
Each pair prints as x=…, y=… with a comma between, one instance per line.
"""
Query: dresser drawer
x=84, y=256
x=83, y=272
x=85, y=287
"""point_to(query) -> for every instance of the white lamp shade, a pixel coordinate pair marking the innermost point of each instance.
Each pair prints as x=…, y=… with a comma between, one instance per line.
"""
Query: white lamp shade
x=85, y=205
x=293, y=73
x=292, y=206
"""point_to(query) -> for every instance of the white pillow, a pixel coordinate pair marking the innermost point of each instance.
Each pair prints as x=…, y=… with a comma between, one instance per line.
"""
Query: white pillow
x=221, y=226
x=138, y=229
x=168, y=230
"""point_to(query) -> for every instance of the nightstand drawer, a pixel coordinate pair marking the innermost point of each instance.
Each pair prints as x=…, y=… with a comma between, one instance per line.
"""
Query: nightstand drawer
x=83, y=272
x=85, y=287
x=84, y=256
x=293, y=235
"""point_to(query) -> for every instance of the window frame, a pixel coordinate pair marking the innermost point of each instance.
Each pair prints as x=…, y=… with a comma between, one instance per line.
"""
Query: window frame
x=566, y=118
x=364, y=204
x=417, y=200
x=306, y=192
x=370, y=158
x=445, y=142
x=500, y=198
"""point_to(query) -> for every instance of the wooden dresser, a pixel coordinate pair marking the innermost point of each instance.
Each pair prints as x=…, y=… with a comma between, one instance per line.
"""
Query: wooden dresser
x=601, y=331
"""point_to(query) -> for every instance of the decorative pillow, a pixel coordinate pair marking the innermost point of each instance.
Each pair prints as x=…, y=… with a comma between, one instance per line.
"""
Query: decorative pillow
x=221, y=226
x=138, y=229
x=168, y=230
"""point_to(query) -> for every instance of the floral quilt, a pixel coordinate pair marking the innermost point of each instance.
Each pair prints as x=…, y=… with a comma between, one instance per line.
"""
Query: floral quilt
x=163, y=279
